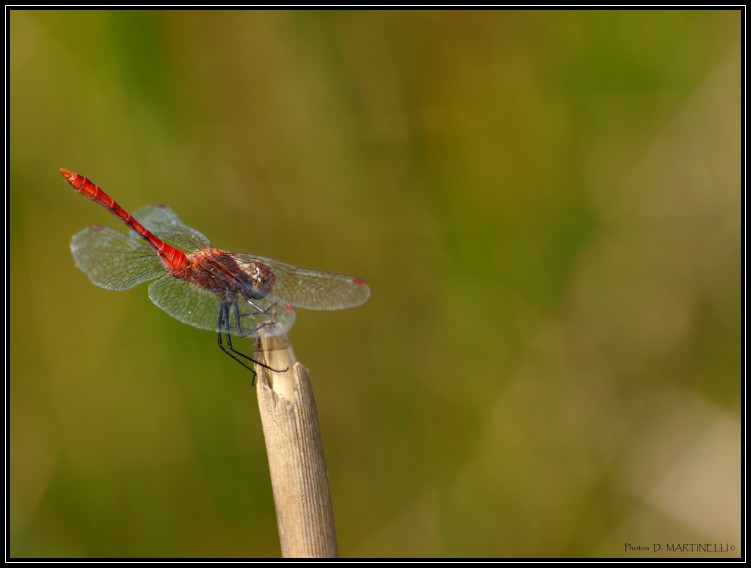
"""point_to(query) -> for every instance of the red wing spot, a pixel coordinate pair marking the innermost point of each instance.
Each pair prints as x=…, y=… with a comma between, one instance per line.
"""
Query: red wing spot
x=161, y=205
x=96, y=227
x=290, y=309
x=359, y=281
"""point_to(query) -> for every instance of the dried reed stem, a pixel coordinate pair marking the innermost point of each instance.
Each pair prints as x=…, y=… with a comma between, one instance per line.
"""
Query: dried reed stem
x=293, y=443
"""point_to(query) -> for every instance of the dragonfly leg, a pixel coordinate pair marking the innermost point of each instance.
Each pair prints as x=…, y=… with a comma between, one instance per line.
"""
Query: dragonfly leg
x=259, y=308
x=240, y=331
x=223, y=328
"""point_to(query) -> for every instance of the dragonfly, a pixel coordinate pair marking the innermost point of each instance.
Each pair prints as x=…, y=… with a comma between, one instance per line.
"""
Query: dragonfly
x=233, y=294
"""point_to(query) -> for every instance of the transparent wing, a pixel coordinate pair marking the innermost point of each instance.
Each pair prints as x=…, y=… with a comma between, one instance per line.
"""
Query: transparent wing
x=311, y=289
x=196, y=306
x=165, y=224
x=112, y=260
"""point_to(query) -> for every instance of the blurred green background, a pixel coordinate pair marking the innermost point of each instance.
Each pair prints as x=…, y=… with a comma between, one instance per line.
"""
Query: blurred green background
x=546, y=205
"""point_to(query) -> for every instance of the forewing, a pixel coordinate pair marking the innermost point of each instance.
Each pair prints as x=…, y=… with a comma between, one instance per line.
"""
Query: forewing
x=165, y=224
x=112, y=260
x=196, y=306
x=311, y=289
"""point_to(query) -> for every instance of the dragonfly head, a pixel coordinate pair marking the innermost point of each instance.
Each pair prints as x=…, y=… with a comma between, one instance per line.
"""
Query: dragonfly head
x=258, y=281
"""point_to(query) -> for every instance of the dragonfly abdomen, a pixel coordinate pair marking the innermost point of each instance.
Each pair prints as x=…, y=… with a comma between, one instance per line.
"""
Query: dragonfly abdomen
x=171, y=257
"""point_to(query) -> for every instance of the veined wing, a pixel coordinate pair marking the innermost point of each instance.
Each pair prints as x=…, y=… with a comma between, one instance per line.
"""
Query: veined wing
x=190, y=303
x=112, y=260
x=311, y=289
x=165, y=224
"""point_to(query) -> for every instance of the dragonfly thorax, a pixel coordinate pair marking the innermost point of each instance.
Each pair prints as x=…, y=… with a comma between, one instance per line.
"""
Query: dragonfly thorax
x=218, y=271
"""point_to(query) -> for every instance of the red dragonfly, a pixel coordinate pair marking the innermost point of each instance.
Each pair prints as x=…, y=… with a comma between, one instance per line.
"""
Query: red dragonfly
x=230, y=293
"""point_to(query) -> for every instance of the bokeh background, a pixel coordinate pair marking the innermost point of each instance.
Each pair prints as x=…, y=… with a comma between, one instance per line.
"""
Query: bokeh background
x=546, y=205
